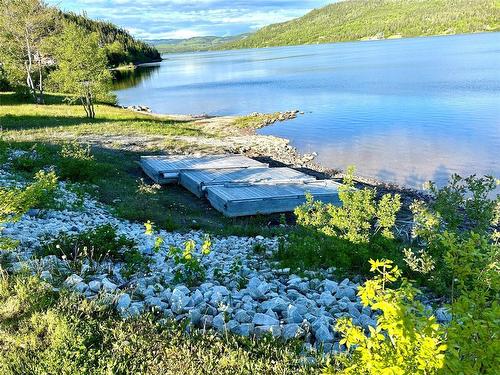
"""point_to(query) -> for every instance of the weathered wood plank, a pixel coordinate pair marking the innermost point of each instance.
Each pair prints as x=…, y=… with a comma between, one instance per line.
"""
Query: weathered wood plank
x=197, y=181
x=255, y=199
x=166, y=169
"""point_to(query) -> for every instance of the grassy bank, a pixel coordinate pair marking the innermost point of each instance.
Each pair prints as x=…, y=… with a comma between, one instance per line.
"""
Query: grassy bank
x=44, y=332
x=119, y=137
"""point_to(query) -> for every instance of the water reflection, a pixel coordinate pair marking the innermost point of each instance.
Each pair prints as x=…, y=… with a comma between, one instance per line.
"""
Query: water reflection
x=404, y=111
x=124, y=79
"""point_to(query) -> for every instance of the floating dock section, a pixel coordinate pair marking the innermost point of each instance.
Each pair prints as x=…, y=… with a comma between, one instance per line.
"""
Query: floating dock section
x=166, y=169
x=198, y=181
x=233, y=200
x=239, y=186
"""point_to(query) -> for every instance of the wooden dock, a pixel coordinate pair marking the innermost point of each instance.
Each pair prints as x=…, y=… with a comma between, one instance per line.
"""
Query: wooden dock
x=239, y=186
x=198, y=181
x=166, y=169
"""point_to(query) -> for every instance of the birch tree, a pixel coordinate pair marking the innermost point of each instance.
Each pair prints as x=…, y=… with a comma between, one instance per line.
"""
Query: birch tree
x=81, y=67
x=24, y=27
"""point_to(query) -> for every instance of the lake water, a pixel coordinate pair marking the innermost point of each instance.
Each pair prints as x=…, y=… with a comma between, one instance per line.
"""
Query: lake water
x=404, y=111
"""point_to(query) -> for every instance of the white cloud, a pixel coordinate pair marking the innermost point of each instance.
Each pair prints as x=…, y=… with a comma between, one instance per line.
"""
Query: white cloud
x=188, y=18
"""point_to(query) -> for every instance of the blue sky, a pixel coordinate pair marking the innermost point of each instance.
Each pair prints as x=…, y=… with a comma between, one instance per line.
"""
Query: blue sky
x=154, y=19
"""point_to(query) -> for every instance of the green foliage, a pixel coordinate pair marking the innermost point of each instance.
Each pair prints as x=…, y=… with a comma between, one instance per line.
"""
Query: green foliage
x=406, y=339
x=135, y=263
x=120, y=47
x=458, y=231
x=306, y=248
x=358, y=219
x=191, y=271
x=24, y=28
x=344, y=237
x=95, y=244
x=77, y=163
x=377, y=19
x=82, y=67
x=14, y=202
x=455, y=231
x=194, y=44
x=42, y=332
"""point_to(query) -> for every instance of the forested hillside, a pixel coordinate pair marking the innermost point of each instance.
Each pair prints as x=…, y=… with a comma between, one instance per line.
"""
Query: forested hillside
x=195, y=44
x=121, y=47
x=378, y=19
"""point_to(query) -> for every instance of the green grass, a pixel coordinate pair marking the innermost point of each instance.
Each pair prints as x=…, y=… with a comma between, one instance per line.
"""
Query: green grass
x=365, y=19
x=56, y=117
x=45, y=332
x=255, y=122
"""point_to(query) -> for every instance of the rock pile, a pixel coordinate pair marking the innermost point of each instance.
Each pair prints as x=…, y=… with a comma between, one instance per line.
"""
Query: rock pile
x=242, y=293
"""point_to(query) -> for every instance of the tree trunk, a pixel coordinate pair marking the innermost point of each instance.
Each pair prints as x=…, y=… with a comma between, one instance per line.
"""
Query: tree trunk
x=84, y=104
x=29, y=65
x=40, y=99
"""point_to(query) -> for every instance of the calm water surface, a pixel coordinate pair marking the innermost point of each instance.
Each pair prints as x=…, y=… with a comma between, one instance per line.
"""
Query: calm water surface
x=405, y=110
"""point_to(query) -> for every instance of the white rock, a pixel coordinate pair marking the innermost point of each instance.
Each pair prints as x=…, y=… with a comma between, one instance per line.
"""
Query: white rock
x=291, y=331
x=123, y=302
x=178, y=300
x=275, y=330
x=323, y=334
x=264, y=319
x=108, y=286
x=443, y=315
x=73, y=280
x=95, y=286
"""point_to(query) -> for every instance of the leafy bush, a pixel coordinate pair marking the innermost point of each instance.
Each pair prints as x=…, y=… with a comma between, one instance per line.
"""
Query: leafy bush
x=454, y=230
x=406, y=339
x=191, y=270
x=135, y=263
x=345, y=237
x=42, y=332
x=14, y=202
x=77, y=163
x=358, y=219
x=95, y=244
x=473, y=344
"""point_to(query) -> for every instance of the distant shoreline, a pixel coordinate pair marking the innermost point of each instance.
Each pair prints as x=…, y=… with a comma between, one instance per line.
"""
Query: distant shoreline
x=390, y=38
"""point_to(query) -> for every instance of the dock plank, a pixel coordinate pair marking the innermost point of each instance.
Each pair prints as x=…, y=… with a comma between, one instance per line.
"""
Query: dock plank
x=197, y=181
x=237, y=200
x=166, y=169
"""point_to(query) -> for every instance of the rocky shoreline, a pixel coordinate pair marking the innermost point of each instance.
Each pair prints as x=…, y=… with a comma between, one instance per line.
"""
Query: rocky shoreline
x=274, y=150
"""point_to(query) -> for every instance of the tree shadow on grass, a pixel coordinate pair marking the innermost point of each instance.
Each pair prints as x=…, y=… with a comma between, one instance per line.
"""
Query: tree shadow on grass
x=26, y=122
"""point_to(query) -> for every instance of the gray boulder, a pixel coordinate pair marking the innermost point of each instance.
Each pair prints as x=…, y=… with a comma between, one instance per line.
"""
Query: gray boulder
x=265, y=320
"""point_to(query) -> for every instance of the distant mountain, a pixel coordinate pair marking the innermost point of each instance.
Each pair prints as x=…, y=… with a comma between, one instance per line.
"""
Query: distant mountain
x=377, y=19
x=195, y=44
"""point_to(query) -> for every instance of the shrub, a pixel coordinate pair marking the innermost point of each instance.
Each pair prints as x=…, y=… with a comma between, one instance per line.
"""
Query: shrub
x=14, y=202
x=454, y=230
x=359, y=218
x=77, y=163
x=95, y=244
x=345, y=237
x=135, y=263
x=406, y=339
x=191, y=270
